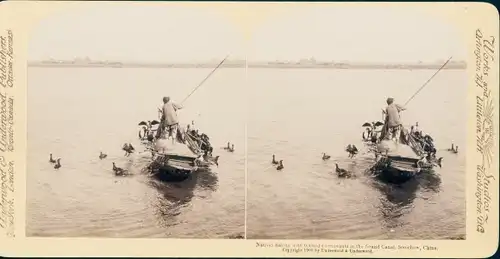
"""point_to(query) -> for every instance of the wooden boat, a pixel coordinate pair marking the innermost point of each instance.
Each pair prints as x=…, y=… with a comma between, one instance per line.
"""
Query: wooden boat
x=177, y=162
x=172, y=167
x=396, y=169
x=399, y=162
x=172, y=162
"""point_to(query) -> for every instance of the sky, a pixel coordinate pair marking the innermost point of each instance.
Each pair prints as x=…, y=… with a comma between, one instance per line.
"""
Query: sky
x=136, y=33
x=129, y=32
x=368, y=34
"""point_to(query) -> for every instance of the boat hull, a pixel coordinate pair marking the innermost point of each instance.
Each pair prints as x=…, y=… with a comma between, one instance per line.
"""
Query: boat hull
x=173, y=167
x=172, y=174
x=177, y=161
x=396, y=169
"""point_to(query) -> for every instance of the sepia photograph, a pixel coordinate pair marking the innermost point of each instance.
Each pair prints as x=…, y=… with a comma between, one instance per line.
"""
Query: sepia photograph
x=349, y=129
x=357, y=127
x=134, y=124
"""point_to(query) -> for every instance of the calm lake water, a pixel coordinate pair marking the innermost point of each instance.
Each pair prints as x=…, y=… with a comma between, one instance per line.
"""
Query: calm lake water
x=75, y=113
x=299, y=114
x=294, y=113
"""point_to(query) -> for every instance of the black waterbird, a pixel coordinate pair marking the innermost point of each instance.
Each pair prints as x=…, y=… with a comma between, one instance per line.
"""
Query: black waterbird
x=58, y=164
x=51, y=160
x=274, y=162
x=280, y=166
x=102, y=155
x=118, y=170
x=341, y=172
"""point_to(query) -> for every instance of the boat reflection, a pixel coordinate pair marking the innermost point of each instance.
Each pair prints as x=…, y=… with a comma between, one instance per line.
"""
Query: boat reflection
x=397, y=199
x=174, y=197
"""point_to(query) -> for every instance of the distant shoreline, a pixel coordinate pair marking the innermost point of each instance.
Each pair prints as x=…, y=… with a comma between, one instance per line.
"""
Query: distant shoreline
x=257, y=65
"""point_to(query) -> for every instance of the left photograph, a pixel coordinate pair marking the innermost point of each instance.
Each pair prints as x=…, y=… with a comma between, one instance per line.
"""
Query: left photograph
x=134, y=123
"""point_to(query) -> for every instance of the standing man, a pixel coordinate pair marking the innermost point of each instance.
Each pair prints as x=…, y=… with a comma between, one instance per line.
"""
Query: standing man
x=393, y=124
x=169, y=120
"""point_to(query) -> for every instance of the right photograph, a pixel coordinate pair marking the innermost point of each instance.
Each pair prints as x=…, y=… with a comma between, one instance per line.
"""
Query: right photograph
x=356, y=125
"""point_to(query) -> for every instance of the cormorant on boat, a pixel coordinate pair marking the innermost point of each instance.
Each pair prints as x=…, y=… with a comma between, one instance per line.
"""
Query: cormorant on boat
x=58, y=164
x=102, y=156
x=228, y=146
x=371, y=130
x=51, y=160
x=369, y=134
x=452, y=147
x=200, y=160
x=341, y=172
x=424, y=163
x=456, y=150
x=325, y=156
x=146, y=127
x=274, y=162
x=204, y=137
x=426, y=143
x=438, y=162
x=204, y=144
x=215, y=160
x=373, y=124
x=430, y=161
x=430, y=141
x=280, y=166
x=207, y=157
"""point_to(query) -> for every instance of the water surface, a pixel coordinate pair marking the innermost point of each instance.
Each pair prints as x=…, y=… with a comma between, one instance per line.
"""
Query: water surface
x=296, y=114
x=299, y=114
x=75, y=113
